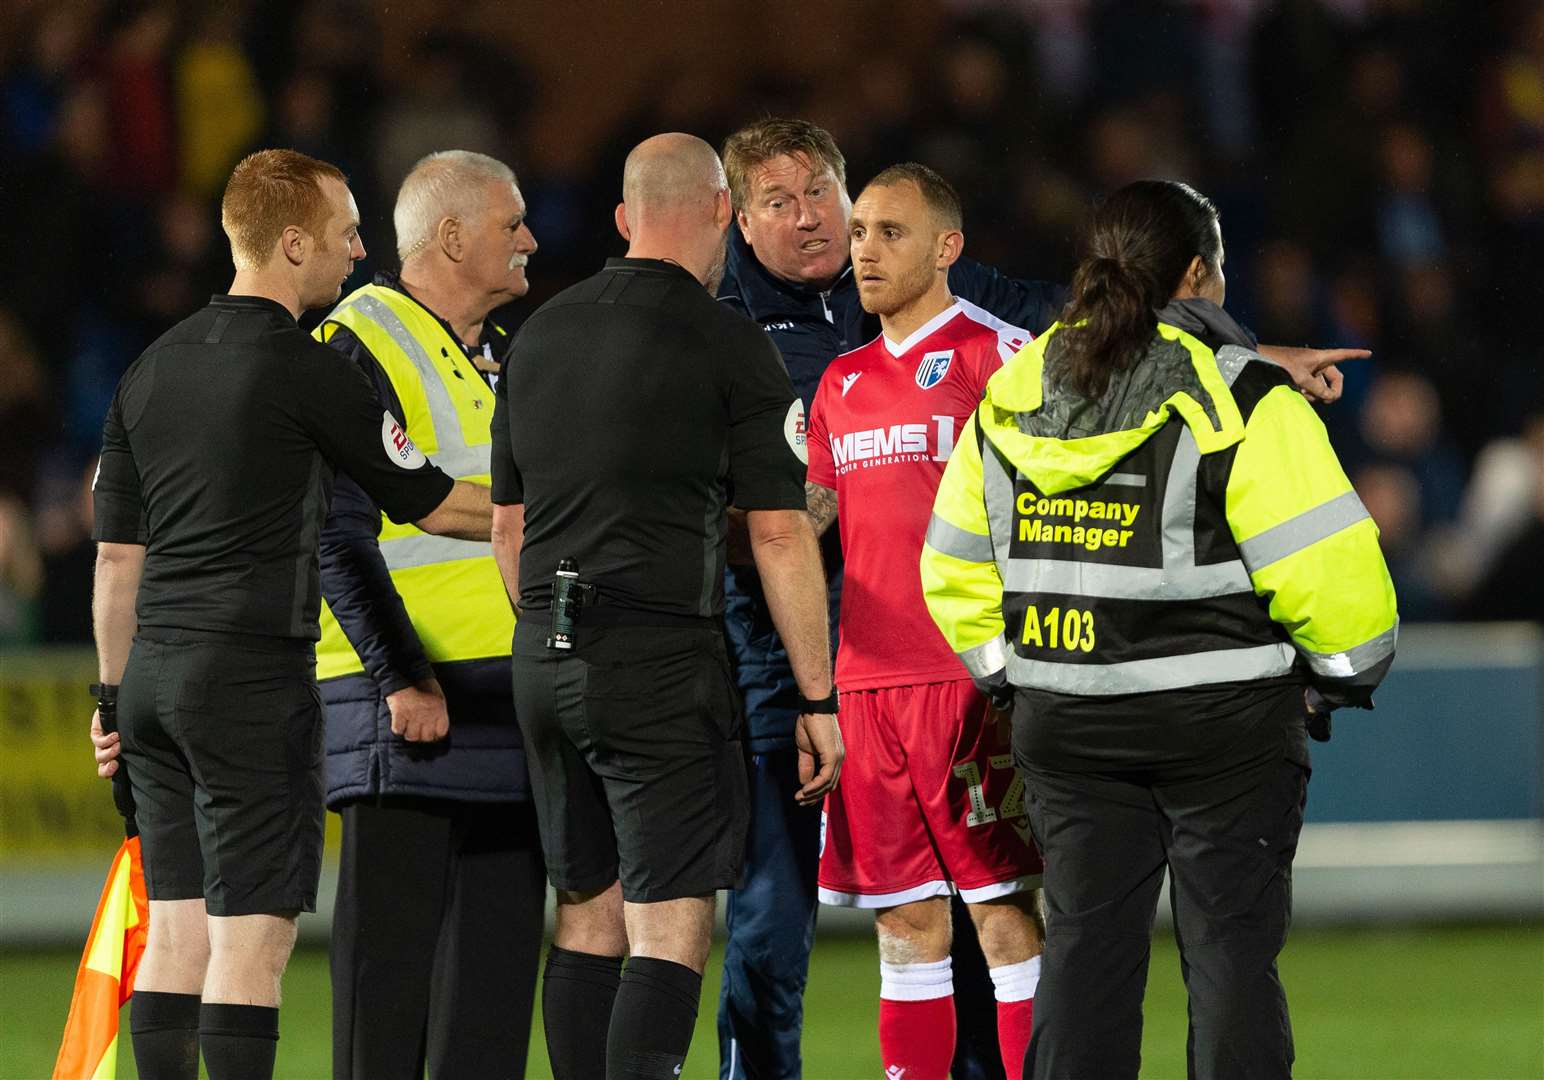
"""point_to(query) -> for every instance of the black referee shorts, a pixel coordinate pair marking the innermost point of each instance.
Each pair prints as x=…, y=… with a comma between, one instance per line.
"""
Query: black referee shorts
x=222, y=737
x=637, y=767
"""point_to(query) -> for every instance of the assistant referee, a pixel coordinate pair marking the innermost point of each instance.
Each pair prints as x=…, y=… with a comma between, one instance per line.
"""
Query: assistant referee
x=218, y=455
x=632, y=412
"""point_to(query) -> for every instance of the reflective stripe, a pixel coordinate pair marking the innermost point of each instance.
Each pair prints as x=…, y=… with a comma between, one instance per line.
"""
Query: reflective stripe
x=1107, y=581
x=1299, y=532
x=985, y=659
x=997, y=483
x=447, y=421
x=1159, y=673
x=424, y=549
x=1356, y=659
x=1179, y=504
x=465, y=460
x=1231, y=361
x=1125, y=479
x=947, y=538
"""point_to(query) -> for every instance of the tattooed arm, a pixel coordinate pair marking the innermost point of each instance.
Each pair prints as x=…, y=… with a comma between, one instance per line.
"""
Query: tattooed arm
x=820, y=504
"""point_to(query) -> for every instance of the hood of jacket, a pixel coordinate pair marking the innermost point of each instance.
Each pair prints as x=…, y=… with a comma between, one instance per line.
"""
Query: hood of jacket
x=1061, y=440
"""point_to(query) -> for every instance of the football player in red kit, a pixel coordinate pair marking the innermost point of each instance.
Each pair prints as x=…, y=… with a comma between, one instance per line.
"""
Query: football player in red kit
x=930, y=803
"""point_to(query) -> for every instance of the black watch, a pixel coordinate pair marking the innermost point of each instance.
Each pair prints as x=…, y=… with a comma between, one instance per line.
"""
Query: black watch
x=818, y=705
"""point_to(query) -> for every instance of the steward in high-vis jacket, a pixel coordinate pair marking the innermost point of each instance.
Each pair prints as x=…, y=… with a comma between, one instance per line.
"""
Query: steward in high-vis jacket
x=1161, y=575
x=438, y=921
x=1204, y=532
x=402, y=605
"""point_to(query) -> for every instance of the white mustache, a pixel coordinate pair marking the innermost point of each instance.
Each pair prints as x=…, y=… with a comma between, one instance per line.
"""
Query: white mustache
x=518, y=259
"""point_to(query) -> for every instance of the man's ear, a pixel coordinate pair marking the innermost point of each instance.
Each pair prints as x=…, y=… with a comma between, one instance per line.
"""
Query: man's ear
x=723, y=210
x=951, y=245
x=448, y=235
x=740, y=219
x=621, y=220
x=295, y=242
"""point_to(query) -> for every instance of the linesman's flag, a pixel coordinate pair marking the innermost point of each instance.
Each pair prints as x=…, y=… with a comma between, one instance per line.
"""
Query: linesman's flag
x=105, y=980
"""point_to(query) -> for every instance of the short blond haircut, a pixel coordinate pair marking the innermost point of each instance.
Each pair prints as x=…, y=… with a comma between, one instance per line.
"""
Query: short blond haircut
x=756, y=144
x=267, y=192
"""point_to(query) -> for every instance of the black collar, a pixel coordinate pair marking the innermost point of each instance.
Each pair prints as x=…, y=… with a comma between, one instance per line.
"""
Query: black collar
x=658, y=265
x=253, y=303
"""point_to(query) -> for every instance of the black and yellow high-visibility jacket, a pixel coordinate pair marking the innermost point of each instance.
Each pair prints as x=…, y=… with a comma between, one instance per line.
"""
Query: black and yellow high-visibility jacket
x=1191, y=527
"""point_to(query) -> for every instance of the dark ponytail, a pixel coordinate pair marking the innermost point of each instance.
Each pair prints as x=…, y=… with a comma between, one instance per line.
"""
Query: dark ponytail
x=1140, y=243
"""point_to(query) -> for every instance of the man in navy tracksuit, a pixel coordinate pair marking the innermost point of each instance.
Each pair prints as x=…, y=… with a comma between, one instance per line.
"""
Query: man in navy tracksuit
x=788, y=270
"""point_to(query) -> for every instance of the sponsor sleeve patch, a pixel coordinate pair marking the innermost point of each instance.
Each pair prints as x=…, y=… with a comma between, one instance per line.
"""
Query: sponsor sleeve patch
x=401, y=449
x=796, y=431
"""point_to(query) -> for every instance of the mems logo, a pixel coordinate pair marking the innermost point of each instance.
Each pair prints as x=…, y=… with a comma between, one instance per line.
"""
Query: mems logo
x=399, y=446
x=898, y=442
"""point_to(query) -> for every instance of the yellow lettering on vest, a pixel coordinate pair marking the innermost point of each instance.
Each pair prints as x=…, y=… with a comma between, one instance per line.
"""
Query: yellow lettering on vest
x=1130, y=515
x=1032, y=627
x=1025, y=502
x=1125, y=537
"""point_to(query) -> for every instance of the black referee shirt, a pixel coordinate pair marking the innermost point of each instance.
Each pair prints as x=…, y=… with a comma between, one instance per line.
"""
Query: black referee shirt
x=632, y=409
x=218, y=455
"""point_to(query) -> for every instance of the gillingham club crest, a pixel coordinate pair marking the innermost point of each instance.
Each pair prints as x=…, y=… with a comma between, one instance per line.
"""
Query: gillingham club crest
x=934, y=366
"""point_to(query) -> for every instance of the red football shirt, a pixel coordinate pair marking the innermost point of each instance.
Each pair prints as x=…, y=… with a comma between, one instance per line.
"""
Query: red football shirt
x=881, y=428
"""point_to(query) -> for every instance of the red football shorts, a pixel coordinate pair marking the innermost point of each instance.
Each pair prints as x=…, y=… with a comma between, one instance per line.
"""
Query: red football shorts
x=929, y=801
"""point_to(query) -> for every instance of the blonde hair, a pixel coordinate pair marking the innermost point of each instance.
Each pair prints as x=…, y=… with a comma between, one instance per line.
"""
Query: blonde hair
x=267, y=192
x=758, y=143
x=449, y=183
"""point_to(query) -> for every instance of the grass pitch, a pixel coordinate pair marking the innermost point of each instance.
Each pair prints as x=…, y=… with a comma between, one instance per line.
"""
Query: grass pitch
x=1448, y=1002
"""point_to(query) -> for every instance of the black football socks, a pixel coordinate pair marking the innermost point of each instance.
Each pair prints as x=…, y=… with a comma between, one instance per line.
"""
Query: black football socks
x=577, y=993
x=652, y=1021
x=239, y=1041
x=164, y=1031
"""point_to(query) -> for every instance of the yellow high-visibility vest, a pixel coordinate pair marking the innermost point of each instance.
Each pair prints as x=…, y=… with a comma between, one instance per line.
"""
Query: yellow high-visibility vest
x=1076, y=563
x=451, y=588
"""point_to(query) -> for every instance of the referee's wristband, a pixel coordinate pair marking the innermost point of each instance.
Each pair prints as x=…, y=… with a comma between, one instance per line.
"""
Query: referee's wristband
x=818, y=705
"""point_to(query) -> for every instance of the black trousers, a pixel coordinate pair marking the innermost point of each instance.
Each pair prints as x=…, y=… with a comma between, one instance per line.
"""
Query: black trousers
x=1225, y=827
x=436, y=938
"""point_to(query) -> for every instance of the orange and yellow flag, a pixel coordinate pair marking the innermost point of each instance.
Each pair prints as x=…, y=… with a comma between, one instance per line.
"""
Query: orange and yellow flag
x=105, y=980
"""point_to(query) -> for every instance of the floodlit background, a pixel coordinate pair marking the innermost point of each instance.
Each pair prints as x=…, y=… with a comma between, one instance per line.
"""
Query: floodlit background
x=1379, y=165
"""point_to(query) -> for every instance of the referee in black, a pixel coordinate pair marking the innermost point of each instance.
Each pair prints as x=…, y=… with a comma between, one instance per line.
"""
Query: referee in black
x=217, y=465
x=633, y=411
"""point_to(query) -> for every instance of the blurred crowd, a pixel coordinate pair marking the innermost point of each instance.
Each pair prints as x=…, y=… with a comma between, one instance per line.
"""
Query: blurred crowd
x=1379, y=165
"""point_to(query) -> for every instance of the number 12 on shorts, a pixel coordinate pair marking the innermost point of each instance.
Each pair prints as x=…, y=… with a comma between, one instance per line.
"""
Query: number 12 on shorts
x=1012, y=805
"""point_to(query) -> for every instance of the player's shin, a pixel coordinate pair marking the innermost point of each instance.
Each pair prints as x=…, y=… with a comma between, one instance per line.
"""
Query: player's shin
x=916, y=1019
x=1014, y=986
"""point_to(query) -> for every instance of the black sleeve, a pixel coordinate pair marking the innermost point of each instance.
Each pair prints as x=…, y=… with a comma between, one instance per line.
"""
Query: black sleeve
x=508, y=488
x=355, y=581
x=116, y=498
x=1034, y=305
x=342, y=412
x=767, y=426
